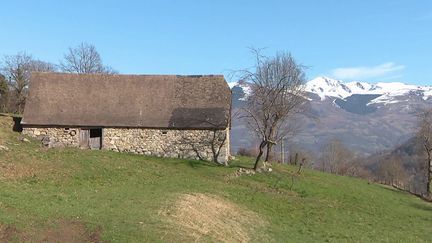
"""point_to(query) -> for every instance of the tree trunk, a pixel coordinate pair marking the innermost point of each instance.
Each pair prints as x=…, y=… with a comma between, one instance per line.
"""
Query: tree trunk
x=429, y=174
x=268, y=152
x=261, y=151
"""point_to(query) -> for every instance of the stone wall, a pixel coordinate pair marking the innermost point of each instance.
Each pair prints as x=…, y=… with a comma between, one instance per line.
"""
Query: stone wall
x=193, y=144
x=55, y=137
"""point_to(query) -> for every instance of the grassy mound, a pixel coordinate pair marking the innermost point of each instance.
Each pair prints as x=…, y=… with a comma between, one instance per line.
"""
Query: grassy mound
x=108, y=196
x=210, y=218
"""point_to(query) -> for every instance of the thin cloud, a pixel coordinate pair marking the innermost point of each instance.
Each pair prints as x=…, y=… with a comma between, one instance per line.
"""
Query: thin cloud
x=379, y=71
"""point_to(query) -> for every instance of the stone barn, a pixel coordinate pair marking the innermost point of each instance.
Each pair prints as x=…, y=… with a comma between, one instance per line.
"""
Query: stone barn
x=159, y=115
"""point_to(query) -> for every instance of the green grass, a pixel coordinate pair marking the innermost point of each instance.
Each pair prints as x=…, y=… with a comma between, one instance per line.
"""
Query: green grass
x=124, y=193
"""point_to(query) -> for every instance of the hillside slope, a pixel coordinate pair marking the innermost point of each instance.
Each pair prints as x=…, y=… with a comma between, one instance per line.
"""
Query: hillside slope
x=79, y=195
x=367, y=118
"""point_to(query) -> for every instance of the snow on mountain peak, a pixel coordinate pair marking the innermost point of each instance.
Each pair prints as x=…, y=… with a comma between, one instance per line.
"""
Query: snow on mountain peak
x=232, y=84
x=327, y=87
x=357, y=87
x=323, y=86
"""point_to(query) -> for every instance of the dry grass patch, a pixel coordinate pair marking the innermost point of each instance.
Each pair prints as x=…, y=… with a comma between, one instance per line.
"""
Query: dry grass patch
x=68, y=231
x=64, y=231
x=204, y=217
x=5, y=122
x=34, y=171
x=16, y=171
x=7, y=233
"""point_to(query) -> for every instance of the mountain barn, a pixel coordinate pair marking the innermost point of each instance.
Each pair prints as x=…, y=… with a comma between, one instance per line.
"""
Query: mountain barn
x=160, y=115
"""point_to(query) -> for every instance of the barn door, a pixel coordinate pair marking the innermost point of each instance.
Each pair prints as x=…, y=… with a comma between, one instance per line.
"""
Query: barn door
x=95, y=138
x=84, y=138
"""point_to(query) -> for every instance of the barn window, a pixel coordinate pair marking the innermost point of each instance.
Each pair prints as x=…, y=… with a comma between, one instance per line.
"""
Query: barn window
x=164, y=132
x=95, y=133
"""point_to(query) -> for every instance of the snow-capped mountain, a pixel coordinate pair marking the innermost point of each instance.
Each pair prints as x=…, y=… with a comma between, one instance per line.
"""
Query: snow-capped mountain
x=326, y=87
x=243, y=85
x=366, y=117
x=385, y=93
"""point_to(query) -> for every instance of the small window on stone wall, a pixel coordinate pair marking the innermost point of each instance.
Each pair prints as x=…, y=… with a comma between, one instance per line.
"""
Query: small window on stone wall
x=164, y=132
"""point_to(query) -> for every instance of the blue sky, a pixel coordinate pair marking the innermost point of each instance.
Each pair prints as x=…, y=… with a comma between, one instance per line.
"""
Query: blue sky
x=369, y=40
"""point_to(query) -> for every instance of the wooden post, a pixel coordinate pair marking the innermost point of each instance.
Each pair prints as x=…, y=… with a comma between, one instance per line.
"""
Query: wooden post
x=282, y=152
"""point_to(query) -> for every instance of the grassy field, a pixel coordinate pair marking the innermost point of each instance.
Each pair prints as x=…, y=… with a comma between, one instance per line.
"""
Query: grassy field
x=74, y=195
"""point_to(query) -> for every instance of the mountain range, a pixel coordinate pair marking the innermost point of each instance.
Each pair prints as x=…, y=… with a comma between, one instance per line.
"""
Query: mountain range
x=366, y=117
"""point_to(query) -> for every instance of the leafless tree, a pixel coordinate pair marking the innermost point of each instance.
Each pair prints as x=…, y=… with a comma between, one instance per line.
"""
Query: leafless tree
x=297, y=155
x=17, y=69
x=425, y=137
x=391, y=172
x=84, y=58
x=209, y=145
x=277, y=94
x=4, y=93
x=215, y=141
x=337, y=159
x=42, y=66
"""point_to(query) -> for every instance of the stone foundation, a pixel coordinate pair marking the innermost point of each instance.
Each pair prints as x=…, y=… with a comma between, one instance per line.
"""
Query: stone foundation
x=192, y=144
x=55, y=137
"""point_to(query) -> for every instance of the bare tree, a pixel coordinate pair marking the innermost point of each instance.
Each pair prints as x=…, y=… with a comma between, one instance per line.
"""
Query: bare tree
x=337, y=159
x=425, y=137
x=214, y=141
x=84, y=58
x=391, y=172
x=42, y=66
x=277, y=93
x=17, y=69
x=217, y=142
x=297, y=155
x=4, y=93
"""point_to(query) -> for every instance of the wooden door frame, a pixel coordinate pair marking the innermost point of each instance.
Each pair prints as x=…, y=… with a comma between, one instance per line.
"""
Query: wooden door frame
x=99, y=131
x=84, y=138
x=88, y=131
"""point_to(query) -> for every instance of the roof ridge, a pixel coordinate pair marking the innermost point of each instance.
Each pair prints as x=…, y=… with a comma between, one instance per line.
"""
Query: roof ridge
x=125, y=74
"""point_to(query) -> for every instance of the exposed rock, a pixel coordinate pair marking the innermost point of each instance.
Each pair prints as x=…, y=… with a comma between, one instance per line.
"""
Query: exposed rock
x=244, y=171
x=3, y=148
x=23, y=139
x=45, y=141
x=266, y=167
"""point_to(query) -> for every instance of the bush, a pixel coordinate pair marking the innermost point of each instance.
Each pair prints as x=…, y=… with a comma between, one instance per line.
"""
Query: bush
x=249, y=152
